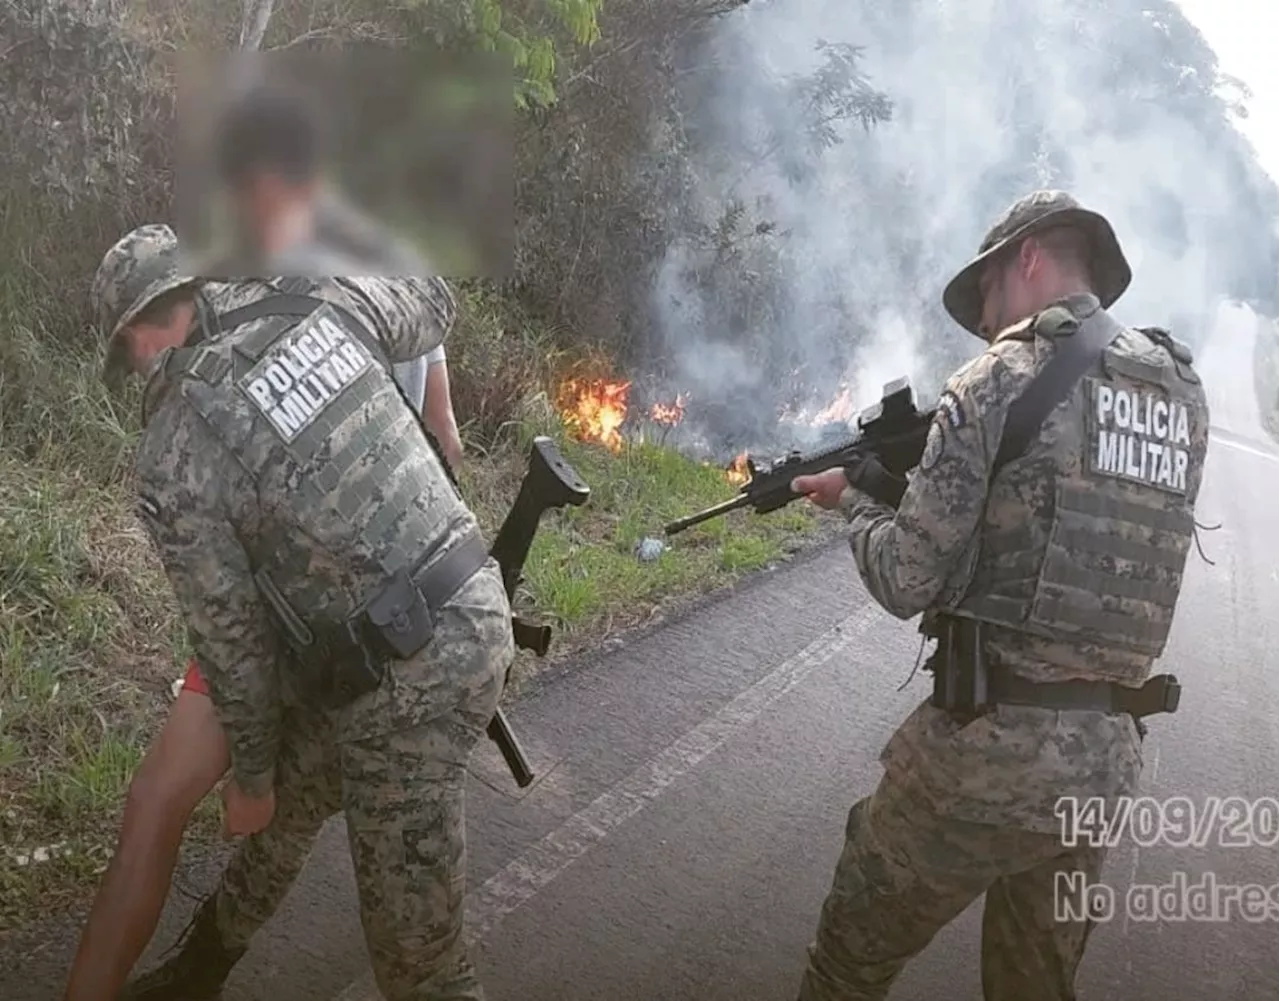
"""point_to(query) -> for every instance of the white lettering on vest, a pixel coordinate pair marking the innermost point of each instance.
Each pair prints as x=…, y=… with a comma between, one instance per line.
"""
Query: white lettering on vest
x=1141, y=436
x=304, y=371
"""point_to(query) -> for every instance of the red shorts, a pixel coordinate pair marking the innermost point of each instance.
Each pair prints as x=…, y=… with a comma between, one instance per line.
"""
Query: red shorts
x=193, y=680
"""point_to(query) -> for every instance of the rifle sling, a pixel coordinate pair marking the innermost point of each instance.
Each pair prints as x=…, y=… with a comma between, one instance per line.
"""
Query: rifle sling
x=1074, y=357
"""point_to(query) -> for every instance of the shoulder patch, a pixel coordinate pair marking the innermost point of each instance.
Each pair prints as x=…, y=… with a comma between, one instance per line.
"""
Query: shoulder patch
x=950, y=410
x=932, y=446
x=305, y=370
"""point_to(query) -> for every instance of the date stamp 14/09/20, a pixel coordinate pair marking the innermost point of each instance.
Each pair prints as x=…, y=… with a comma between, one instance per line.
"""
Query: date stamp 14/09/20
x=1179, y=822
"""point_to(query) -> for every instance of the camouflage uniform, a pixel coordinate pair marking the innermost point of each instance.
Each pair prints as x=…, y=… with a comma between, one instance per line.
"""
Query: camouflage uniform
x=312, y=510
x=1073, y=560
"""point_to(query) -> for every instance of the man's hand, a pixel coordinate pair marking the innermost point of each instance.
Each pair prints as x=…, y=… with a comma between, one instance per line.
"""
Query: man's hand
x=823, y=489
x=869, y=476
x=243, y=814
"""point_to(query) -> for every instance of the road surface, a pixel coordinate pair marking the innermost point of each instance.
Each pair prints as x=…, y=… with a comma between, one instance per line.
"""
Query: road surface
x=695, y=785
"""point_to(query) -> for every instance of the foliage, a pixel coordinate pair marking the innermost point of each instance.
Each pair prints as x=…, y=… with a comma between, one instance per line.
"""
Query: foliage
x=532, y=33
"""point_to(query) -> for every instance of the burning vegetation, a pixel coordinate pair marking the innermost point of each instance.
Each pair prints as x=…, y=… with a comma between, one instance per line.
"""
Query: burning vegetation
x=598, y=409
x=594, y=409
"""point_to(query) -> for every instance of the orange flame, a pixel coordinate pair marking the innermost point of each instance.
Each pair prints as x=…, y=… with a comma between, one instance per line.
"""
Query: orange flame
x=669, y=414
x=839, y=409
x=595, y=409
x=737, y=472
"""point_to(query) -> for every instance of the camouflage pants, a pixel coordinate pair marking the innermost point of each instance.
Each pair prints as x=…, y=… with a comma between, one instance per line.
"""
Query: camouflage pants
x=403, y=797
x=905, y=873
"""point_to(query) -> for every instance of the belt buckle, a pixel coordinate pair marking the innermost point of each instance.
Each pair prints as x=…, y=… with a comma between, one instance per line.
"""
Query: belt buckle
x=1170, y=693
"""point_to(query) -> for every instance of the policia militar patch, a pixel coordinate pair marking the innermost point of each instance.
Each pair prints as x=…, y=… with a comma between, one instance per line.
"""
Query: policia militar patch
x=1139, y=435
x=303, y=372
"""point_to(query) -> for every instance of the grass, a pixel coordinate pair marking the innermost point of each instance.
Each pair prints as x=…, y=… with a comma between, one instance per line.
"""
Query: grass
x=584, y=573
x=91, y=640
x=88, y=635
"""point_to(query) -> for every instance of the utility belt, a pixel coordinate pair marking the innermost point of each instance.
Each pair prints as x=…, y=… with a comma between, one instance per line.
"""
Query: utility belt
x=966, y=686
x=336, y=663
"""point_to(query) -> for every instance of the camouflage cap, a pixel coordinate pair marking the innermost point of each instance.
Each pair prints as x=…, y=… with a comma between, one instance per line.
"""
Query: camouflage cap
x=142, y=266
x=1038, y=211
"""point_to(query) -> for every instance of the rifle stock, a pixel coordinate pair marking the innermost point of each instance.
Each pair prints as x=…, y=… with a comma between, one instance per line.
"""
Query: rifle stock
x=892, y=429
x=549, y=482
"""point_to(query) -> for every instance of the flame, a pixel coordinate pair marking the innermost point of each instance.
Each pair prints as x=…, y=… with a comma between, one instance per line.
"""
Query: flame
x=839, y=409
x=737, y=472
x=595, y=409
x=842, y=408
x=669, y=414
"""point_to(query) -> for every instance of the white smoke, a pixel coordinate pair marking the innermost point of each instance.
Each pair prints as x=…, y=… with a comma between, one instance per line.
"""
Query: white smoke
x=960, y=147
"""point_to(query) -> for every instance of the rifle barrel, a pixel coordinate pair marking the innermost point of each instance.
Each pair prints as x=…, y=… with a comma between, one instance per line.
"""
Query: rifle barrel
x=680, y=524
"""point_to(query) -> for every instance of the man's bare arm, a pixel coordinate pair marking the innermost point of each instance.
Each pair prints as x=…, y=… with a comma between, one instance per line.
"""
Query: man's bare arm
x=438, y=415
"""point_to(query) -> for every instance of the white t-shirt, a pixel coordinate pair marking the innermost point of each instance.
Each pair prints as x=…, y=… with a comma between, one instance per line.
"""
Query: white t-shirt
x=412, y=376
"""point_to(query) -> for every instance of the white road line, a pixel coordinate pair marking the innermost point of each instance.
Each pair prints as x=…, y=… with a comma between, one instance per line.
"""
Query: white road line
x=1244, y=448
x=524, y=876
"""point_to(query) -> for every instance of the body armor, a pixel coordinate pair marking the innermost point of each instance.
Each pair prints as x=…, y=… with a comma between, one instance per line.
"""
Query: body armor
x=355, y=512
x=1089, y=568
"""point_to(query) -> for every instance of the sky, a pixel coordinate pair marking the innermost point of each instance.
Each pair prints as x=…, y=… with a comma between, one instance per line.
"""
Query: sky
x=1241, y=33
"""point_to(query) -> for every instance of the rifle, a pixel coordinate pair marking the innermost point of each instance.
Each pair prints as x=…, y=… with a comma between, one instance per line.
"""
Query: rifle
x=892, y=430
x=549, y=482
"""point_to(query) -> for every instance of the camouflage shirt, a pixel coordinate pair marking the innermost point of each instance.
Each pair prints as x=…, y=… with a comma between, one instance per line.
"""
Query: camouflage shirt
x=213, y=522
x=1011, y=765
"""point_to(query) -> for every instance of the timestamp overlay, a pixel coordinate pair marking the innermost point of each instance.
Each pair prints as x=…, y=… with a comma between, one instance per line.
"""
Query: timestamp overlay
x=1184, y=896
x=1185, y=893
x=1176, y=821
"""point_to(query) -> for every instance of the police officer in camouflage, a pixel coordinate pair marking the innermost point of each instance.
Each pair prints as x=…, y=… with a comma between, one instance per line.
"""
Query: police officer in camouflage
x=1046, y=554
x=269, y=157
x=353, y=632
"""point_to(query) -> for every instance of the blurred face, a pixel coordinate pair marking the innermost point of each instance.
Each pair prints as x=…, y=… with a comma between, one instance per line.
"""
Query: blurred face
x=264, y=201
x=150, y=334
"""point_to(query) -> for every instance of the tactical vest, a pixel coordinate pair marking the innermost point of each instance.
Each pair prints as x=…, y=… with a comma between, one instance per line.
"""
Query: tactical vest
x=1128, y=449
x=350, y=491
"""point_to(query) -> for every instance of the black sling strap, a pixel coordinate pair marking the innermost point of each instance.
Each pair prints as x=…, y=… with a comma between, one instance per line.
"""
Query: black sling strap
x=1052, y=384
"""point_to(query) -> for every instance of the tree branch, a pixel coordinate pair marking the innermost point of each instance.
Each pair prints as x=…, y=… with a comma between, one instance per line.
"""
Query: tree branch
x=254, y=18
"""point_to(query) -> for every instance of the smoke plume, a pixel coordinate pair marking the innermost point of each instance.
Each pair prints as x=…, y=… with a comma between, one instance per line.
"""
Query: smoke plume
x=809, y=253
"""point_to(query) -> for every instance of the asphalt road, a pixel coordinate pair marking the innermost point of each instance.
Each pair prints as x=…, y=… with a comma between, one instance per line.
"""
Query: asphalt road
x=694, y=786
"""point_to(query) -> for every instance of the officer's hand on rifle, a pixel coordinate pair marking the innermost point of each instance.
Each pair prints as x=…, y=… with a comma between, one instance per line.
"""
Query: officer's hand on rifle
x=823, y=489
x=866, y=474
x=869, y=475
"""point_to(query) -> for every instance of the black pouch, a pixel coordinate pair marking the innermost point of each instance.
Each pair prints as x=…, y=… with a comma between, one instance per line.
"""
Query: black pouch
x=959, y=668
x=398, y=620
x=340, y=668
